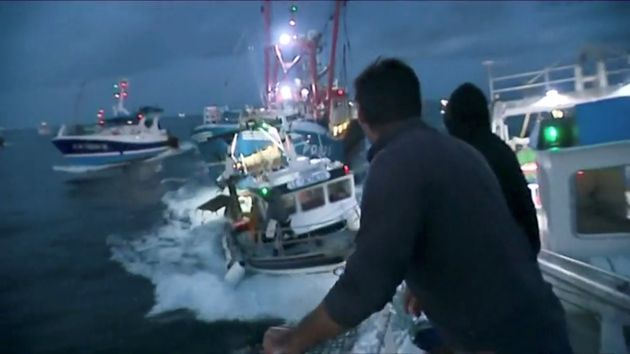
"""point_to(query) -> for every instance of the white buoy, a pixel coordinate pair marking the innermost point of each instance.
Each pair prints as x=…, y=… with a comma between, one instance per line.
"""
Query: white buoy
x=235, y=273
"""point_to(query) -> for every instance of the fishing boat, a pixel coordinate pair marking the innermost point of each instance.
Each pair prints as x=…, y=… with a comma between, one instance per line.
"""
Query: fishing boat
x=115, y=141
x=43, y=129
x=122, y=139
x=316, y=198
x=215, y=134
x=306, y=91
x=574, y=145
x=220, y=126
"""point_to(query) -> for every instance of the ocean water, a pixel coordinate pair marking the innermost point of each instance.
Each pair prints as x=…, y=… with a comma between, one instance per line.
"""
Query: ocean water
x=123, y=262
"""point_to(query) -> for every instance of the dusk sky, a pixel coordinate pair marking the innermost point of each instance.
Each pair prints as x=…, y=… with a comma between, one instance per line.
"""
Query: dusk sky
x=186, y=55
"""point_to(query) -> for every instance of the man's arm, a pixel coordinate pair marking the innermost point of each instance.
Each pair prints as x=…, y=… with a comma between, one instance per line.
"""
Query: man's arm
x=390, y=224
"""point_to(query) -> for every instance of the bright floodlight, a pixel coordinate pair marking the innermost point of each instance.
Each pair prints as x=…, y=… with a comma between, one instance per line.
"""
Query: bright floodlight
x=551, y=93
x=285, y=39
x=557, y=113
x=304, y=92
x=552, y=100
x=444, y=102
x=285, y=93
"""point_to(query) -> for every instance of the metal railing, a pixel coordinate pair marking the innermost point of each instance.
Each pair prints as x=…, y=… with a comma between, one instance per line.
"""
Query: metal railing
x=595, y=290
x=305, y=237
x=559, y=76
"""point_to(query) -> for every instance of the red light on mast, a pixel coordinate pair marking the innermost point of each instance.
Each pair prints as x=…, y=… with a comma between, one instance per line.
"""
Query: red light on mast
x=346, y=169
x=340, y=92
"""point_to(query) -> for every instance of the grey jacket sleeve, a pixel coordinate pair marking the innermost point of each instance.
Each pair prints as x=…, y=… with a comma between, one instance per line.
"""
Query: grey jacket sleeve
x=391, y=222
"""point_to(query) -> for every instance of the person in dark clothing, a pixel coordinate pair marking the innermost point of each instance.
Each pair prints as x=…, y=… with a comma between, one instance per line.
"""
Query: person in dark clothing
x=458, y=249
x=467, y=117
x=277, y=212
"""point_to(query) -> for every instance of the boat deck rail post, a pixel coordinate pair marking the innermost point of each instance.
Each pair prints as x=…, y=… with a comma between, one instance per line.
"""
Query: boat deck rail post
x=603, y=293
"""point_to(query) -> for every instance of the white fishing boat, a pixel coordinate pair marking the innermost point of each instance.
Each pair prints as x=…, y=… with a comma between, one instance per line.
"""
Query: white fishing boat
x=119, y=140
x=115, y=141
x=576, y=131
x=43, y=129
x=316, y=198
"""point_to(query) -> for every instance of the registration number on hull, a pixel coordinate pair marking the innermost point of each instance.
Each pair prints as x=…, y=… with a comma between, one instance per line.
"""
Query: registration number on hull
x=90, y=147
x=312, y=178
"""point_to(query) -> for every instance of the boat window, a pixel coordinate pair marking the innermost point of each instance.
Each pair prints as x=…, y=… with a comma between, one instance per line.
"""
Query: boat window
x=339, y=190
x=148, y=122
x=288, y=201
x=602, y=200
x=311, y=198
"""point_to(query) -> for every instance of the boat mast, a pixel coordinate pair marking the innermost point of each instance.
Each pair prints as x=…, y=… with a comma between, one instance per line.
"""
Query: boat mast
x=333, y=53
x=120, y=95
x=77, y=101
x=316, y=99
x=266, y=10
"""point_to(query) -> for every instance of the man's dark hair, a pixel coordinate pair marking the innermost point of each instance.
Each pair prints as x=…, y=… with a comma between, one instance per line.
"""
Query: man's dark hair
x=388, y=91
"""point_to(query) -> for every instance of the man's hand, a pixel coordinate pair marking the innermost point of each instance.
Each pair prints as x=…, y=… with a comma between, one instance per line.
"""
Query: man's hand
x=277, y=340
x=412, y=304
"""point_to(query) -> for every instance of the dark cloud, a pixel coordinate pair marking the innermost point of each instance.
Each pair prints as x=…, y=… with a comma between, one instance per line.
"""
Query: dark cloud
x=184, y=55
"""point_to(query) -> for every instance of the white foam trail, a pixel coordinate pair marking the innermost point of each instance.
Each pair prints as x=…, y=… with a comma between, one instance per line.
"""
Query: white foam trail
x=183, y=148
x=184, y=260
x=84, y=169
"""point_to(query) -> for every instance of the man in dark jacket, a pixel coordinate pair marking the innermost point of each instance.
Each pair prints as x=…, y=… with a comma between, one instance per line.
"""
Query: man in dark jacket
x=467, y=118
x=458, y=249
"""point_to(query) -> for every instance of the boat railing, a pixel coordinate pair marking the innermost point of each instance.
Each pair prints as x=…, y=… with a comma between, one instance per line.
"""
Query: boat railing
x=260, y=235
x=569, y=77
x=78, y=129
x=592, y=289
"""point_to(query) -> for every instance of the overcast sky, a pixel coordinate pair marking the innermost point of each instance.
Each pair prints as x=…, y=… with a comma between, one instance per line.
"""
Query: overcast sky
x=184, y=56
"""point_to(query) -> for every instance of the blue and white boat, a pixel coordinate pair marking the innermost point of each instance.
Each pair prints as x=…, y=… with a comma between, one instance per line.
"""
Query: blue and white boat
x=214, y=136
x=115, y=141
x=575, y=119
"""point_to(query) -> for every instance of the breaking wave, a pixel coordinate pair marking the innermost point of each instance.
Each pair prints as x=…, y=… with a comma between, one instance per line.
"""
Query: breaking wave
x=183, y=259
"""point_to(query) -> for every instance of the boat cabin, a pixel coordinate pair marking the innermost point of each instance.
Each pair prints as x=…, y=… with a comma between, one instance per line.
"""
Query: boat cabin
x=145, y=120
x=583, y=174
x=315, y=200
x=578, y=151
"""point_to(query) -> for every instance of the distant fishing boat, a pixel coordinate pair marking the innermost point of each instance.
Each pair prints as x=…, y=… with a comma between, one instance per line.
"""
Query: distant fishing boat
x=215, y=134
x=43, y=129
x=114, y=141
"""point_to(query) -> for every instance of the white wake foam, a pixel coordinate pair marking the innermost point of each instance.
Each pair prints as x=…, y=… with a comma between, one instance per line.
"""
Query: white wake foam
x=183, y=259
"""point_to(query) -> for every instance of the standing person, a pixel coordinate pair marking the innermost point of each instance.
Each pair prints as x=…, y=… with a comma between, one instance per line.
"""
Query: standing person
x=458, y=248
x=467, y=117
x=279, y=219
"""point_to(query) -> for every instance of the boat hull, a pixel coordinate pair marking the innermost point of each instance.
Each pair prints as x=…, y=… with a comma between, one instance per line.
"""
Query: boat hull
x=213, y=140
x=96, y=152
x=315, y=141
x=323, y=255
